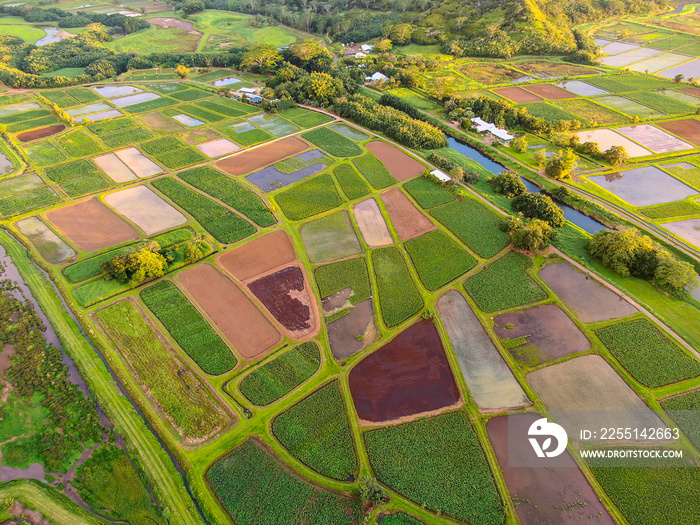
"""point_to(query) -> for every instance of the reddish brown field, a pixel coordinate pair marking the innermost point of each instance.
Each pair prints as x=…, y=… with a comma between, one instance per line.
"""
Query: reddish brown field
x=253, y=159
x=559, y=495
x=250, y=332
x=400, y=165
x=687, y=129
x=517, y=94
x=285, y=294
x=406, y=376
x=691, y=91
x=259, y=256
x=91, y=226
x=408, y=221
x=40, y=133
x=547, y=328
x=549, y=92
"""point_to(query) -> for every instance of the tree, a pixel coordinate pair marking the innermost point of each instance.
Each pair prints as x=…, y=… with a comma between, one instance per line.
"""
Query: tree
x=590, y=148
x=678, y=78
x=535, y=236
x=616, y=155
x=192, y=6
x=383, y=46
x=182, y=71
x=261, y=59
x=510, y=223
x=540, y=157
x=142, y=263
x=519, y=144
x=538, y=206
x=369, y=491
x=192, y=252
x=457, y=175
x=679, y=275
x=508, y=183
x=560, y=164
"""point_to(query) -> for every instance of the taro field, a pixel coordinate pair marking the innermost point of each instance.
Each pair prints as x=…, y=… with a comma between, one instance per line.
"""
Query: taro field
x=318, y=321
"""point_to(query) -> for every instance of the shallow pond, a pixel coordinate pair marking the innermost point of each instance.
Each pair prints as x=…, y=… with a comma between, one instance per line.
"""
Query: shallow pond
x=644, y=186
x=188, y=121
x=116, y=91
x=226, y=81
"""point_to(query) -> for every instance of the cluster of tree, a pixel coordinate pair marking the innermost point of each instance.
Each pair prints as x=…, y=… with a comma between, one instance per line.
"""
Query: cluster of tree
x=498, y=112
x=79, y=51
x=145, y=262
x=508, y=183
x=587, y=51
x=396, y=124
x=316, y=88
x=534, y=234
x=539, y=206
x=191, y=7
x=627, y=252
x=37, y=371
x=469, y=176
x=559, y=164
x=400, y=104
x=31, y=13
x=615, y=155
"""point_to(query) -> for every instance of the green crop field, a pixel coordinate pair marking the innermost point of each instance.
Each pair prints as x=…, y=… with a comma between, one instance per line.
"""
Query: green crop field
x=181, y=158
x=158, y=103
x=438, y=463
x=551, y=113
x=610, y=84
x=690, y=176
x=334, y=143
x=280, y=376
x=17, y=127
x=126, y=137
x=504, y=284
x=399, y=519
x=24, y=116
x=666, y=105
x=83, y=95
x=316, y=431
x=438, y=259
x=192, y=408
x=592, y=112
x=106, y=127
x=187, y=326
x=200, y=113
x=162, y=146
x=427, y=194
x=647, y=354
x=44, y=154
x=190, y=95
x=350, y=182
x=479, y=232
x=274, y=492
x=224, y=109
x=398, y=297
x=247, y=138
x=374, y=171
x=230, y=192
x=78, y=144
x=309, y=197
x=60, y=98
x=673, y=209
x=683, y=409
x=223, y=224
x=28, y=201
x=305, y=118
x=78, y=178
x=351, y=273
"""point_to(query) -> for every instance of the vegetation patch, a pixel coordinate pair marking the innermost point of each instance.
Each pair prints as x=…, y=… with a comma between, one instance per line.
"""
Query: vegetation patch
x=592, y=112
x=504, y=284
x=316, y=431
x=190, y=95
x=551, y=113
x=224, y=109
x=223, y=224
x=77, y=178
x=280, y=376
x=78, y=144
x=428, y=194
x=661, y=103
x=374, y=171
x=305, y=118
x=189, y=329
x=274, y=494
x=157, y=103
x=683, y=409
x=473, y=224
x=126, y=137
x=352, y=273
x=352, y=185
x=438, y=259
x=647, y=354
x=309, y=198
x=398, y=297
x=437, y=462
x=201, y=113
x=44, y=154
x=28, y=201
x=334, y=143
x=673, y=209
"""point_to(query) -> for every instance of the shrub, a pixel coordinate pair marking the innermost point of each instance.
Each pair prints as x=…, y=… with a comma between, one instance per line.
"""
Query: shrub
x=510, y=223
x=535, y=236
x=538, y=206
x=508, y=183
x=616, y=155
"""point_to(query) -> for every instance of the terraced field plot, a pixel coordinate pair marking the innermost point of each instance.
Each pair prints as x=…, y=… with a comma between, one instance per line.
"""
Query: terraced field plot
x=399, y=164
x=628, y=107
x=405, y=217
x=657, y=63
x=688, y=129
x=372, y=224
x=258, y=256
x=50, y=245
x=517, y=95
x=581, y=88
x=250, y=160
x=629, y=57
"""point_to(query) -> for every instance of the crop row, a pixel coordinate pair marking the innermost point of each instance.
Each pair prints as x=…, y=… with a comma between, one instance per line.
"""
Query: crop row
x=309, y=197
x=374, y=171
x=351, y=183
x=334, y=143
x=438, y=259
x=398, y=297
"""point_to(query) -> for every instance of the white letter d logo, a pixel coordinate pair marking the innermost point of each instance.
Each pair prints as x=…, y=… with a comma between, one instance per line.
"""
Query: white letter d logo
x=542, y=427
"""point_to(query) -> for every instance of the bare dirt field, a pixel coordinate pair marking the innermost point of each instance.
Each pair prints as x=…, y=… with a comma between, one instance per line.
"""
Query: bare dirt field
x=559, y=495
x=517, y=94
x=158, y=121
x=547, y=331
x=406, y=376
x=114, y=168
x=258, y=256
x=591, y=301
x=688, y=230
x=40, y=133
x=587, y=393
x=173, y=22
x=343, y=333
x=687, y=129
x=371, y=223
x=90, y=225
x=407, y=220
x=549, y=92
x=251, y=160
x=285, y=294
x=141, y=165
x=400, y=165
x=250, y=332
x=691, y=91
x=490, y=381
x=145, y=209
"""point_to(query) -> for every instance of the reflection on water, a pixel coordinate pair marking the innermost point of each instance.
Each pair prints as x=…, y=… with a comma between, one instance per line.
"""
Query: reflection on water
x=52, y=35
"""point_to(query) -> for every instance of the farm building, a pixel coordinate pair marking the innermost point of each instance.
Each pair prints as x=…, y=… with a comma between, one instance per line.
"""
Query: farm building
x=482, y=126
x=377, y=77
x=440, y=175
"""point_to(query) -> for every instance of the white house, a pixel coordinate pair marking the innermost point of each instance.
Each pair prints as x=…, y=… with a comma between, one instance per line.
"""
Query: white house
x=377, y=77
x=360, y=54
x=248, y=91
x=440, y=175
x=367, y=48
x=482, y=126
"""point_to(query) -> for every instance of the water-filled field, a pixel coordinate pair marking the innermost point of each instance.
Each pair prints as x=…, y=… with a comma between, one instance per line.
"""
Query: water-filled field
x=644, y=186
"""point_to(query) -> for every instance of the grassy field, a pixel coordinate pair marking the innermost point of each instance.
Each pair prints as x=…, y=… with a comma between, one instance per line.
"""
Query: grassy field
x=438, y=259
x=352, y=273
x=309, y=197
x=189, y=329
x=157, y=40
x=334, y=143
x=427, y=194
x=438, y=463
x=280, y=376
x=374, y=171
x=221, y=29
x=316, y=431
x=398, y=297
x=504, y=284
x=350, y=182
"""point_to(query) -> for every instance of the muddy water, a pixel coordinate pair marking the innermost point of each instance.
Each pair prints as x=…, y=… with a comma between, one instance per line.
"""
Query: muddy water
x=52, y=35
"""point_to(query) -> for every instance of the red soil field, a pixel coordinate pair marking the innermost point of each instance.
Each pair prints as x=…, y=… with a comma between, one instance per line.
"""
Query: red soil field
x=517, y=94
x=559, y=495
x=687, y=129
x=407, y=220
x=250, y=332
x=285, y=294
x=400, y=165
x=91, y=226
x=258, y=256
x=691, y=91
x=406, y=376
x=549, y=92
x=40, y=133
x=253, y=159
